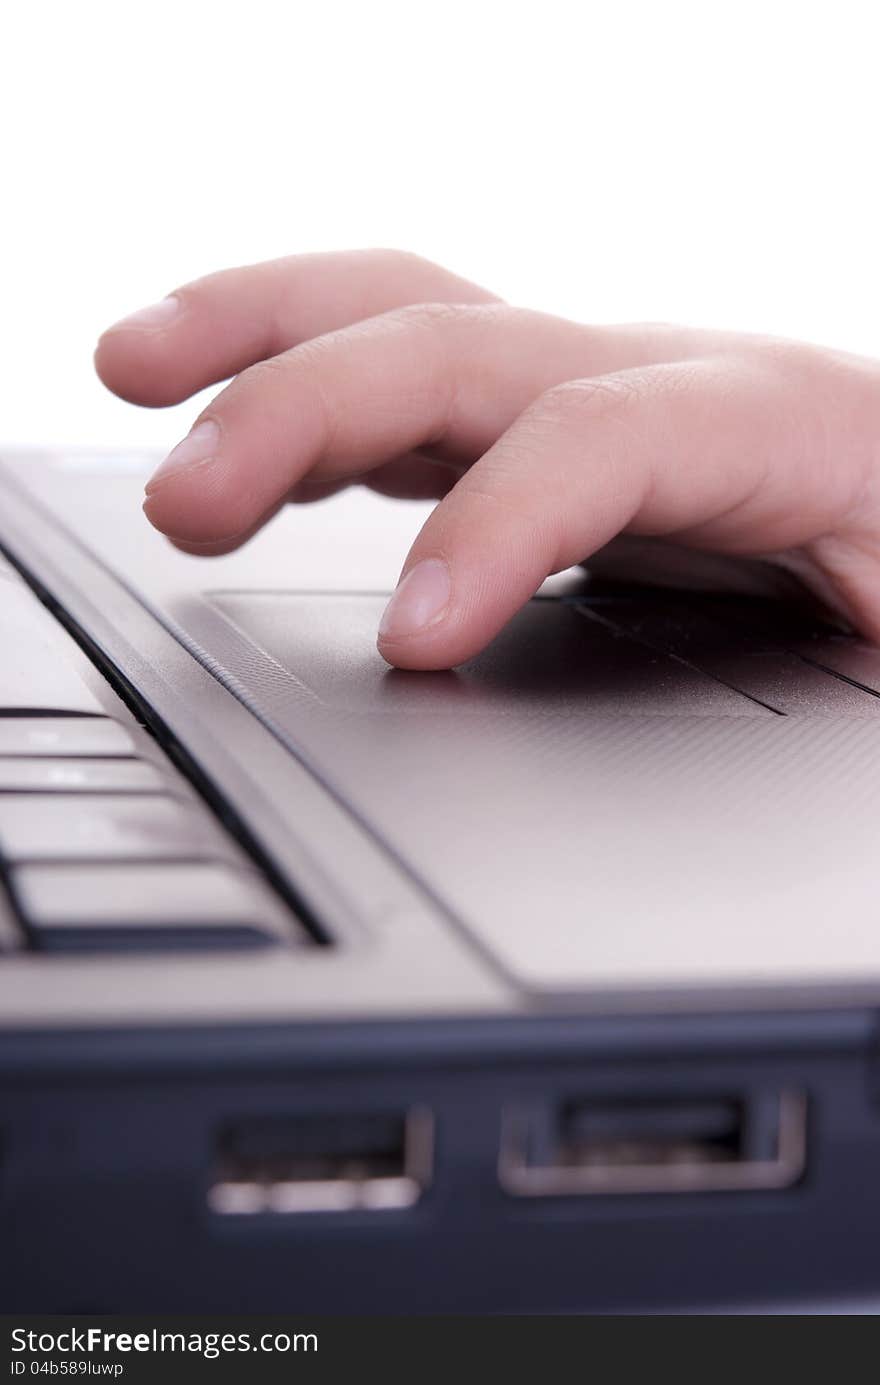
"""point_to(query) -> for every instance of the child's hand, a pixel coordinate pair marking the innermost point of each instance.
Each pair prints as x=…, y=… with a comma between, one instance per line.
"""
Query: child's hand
x=543, y=437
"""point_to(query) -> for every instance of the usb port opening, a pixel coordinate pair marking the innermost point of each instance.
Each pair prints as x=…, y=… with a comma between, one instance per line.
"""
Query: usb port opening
x=678, y=1145
x=323, y=1163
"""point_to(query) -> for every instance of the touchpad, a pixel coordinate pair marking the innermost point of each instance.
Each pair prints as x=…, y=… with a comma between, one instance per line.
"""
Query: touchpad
x=554, y=657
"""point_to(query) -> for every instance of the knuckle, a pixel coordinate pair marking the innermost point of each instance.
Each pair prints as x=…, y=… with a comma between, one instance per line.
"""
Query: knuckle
x=271, y=368
x=430, y=317
x=271, y=377
x=492, y=492
x=825, y=376
x=790, y=358
x=584, y=399
x=618, y=397
x=303, y=360
x=271, y=372
x=502, y=485
x=798, y=362
x=439, y=317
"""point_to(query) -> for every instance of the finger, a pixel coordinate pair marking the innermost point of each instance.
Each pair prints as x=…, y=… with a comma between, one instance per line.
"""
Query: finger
x=217, y=548
x=414, y=477
x=217, y=326
x=449, y=378
x=705, y=449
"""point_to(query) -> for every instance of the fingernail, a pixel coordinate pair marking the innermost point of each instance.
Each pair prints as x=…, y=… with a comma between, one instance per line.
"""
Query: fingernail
x=155, y=315
x=419, y=601
x=197, y=447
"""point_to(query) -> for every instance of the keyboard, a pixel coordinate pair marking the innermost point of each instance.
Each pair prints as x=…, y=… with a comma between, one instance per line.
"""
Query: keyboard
x=106, y=845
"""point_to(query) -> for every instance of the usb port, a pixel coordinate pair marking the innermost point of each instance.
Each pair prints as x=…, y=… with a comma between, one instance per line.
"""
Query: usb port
x=679, y=1145
x=321, y=1163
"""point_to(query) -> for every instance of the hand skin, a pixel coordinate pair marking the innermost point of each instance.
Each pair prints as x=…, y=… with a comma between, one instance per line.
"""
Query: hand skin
x=542, y=439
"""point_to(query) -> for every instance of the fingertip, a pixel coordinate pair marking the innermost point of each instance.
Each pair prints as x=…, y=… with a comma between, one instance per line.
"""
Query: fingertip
x=421, y=627
x=133, y=369
x=199, y=512
x=201, y=548
x=442, y=647
x=420, y=601
x=132, y=356
x=170, y=510
x=414, y=658
x=153, y=513
x=207, y=550
x=186, y=521
x=155, y=316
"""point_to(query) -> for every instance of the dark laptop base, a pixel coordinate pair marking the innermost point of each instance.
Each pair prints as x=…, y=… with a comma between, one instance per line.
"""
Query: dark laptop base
x=111, y=1146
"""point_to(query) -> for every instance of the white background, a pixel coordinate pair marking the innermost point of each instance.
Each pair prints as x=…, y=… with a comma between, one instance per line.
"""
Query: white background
x=715, y=164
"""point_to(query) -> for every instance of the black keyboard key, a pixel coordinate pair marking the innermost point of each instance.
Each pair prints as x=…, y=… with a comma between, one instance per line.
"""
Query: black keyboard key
x=47, y=827
x=80, y=736
x=80, y=776
x=147, y=908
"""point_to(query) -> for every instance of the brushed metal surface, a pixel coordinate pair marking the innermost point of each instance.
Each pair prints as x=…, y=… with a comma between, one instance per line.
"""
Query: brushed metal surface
x=592, y=843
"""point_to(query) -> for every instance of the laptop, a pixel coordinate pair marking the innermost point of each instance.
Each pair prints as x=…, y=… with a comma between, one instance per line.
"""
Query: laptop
x=547, y=984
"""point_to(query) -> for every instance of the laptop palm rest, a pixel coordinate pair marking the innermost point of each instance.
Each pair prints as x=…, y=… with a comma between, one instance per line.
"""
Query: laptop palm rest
x=600, y=814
